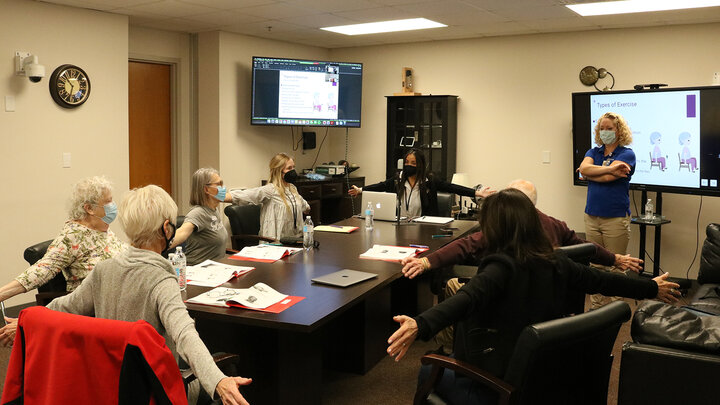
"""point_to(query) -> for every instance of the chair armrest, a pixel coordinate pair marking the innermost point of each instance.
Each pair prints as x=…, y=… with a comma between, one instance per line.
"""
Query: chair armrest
x=439, y=362
x=222, y=360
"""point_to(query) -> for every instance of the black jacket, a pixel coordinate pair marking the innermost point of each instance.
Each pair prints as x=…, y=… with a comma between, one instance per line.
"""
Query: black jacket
x=505, y=297
x=428, y=192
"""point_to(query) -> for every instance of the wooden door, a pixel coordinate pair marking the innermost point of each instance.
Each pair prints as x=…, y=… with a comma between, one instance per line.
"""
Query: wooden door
x=150, y=125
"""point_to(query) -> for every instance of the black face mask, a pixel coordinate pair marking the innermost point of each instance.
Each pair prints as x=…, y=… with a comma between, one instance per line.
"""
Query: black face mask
x=409, y=171
x=168, y=242
x=291, y=176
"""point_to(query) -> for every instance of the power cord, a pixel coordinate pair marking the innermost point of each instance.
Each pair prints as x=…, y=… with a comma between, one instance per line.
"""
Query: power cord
x=295, y=145
x=697, y=239
x=320, y=147
x=347, y=170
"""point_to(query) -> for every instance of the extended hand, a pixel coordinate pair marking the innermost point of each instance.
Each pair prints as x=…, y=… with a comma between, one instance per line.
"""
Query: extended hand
x=412, y=267
x=7, y=332
x=228, y=391
x=625, y=262
x=354, y=190
x=667, y=291
x=484, y=192
x=401, y=340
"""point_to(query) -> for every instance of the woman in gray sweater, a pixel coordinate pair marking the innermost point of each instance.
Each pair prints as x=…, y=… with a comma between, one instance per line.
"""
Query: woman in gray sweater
x=140, y=284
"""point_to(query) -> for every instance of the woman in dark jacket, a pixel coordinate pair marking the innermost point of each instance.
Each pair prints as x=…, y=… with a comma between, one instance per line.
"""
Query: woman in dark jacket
x=522, y=282
x=418, y=192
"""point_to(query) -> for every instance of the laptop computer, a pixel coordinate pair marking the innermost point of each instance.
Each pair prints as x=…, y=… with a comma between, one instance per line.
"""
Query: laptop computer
x=344, y=278
x=384, y=205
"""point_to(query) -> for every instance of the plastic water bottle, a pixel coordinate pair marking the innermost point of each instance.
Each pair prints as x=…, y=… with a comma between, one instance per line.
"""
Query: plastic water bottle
x=369, y=216
x=308, y=229
x=649, y=210
x=179, y=263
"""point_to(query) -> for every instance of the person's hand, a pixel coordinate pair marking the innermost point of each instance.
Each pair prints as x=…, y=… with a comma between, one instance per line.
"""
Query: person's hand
x=667, y=290
x=354, y=190
x=625, y=262
x=401, y=340
x=7, y=332
x=412, y=267
x=484, y=192
x=620, y=170
x=227, y=390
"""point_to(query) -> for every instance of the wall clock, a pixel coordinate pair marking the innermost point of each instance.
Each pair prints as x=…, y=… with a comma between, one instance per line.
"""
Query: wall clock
x=69, y=86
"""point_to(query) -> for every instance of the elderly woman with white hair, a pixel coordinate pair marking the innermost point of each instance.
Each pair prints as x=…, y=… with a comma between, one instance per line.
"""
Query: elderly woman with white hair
x=203, y=229
x=139, y=283
x=84, y=241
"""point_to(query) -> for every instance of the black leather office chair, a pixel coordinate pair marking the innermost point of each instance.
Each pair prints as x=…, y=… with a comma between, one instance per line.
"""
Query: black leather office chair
x=581, y=254
x=54, y=288
x=445, y=203
x=564, y=361
x=245, y=225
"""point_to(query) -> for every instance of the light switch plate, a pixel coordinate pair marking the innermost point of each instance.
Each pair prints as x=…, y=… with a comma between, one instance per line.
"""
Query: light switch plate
x=9, y=103
x=546, y=156
x=67, y=157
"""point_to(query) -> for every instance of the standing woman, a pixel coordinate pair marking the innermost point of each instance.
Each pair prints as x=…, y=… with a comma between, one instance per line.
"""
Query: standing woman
x=418, y=191
x=608, y=168
x=281, y=214
x=203, y=228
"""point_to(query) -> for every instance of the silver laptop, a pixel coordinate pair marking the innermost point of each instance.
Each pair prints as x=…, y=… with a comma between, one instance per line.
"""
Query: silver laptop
x=384, y=205
x=344, y=278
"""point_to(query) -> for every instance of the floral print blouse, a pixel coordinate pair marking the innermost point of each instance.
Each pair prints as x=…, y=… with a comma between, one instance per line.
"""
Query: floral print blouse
x=74, y=252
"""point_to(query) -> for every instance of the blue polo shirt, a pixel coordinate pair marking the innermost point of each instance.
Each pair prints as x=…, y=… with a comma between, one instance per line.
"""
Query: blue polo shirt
x=610, y=199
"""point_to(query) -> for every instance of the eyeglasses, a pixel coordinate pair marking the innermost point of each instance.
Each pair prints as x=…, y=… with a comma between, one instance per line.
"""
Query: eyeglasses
x=220, y=183
x=226, y=293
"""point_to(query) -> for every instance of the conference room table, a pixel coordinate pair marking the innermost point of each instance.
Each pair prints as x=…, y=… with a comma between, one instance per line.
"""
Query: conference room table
x=334, y=328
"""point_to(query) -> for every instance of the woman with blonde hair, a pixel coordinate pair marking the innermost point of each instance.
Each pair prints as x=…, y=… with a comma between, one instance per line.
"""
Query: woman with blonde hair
x=281, y=214
x=608, y=168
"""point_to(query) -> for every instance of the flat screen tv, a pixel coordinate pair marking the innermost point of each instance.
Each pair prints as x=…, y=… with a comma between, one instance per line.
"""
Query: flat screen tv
x=676, y=136
x=306, y=92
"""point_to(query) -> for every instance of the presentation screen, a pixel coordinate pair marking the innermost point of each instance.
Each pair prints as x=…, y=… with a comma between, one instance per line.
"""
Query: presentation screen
x=676, y=136
x=306, y=92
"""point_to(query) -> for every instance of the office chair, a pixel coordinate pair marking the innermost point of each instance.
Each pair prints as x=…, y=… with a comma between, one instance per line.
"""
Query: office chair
x=245, y=225
x=580, y=253
x=685, y=164
x=54, y=288
x=654, y=162
x=562, y=361
x=445, y=203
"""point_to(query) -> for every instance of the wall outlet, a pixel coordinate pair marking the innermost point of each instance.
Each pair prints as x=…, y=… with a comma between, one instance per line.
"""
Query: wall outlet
x=716, y=79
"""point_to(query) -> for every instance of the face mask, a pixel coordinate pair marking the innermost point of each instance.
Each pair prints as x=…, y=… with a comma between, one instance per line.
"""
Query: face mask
x=110, y=212
x=607, y=137
x=220, y=196
x=167, y=241
x=290, y=177
x=409, y=170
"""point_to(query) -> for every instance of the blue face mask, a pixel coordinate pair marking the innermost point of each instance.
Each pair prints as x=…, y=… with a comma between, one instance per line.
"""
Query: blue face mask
x=110, y=212
x=607, y=137
x=220, y=196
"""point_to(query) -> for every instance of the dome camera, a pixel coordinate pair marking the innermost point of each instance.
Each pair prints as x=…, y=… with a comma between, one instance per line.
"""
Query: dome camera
x=27, y=65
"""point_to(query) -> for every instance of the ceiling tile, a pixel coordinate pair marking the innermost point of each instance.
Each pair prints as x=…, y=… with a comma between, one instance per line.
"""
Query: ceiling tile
x=228, y=4
x=332, y=6
x=278, y=10
x=376, y=14
x=172, y=8
x=318, y=20
x=226, y=17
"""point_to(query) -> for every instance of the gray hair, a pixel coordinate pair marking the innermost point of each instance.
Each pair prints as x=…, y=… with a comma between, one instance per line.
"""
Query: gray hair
x=87, y=191
x=526, y=187
x=201, y=178
x=143, y=211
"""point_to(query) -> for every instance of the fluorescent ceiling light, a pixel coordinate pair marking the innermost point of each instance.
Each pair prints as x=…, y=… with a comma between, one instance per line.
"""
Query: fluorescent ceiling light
x=385, y=26
x=638, y=6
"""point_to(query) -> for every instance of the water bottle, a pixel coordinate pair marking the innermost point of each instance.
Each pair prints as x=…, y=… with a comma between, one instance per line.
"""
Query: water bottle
x=180, y=265
x=649, y=210
x=308, y=229
x=369, y=214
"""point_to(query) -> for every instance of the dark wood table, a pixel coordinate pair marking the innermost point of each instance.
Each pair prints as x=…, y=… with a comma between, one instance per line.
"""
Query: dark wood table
x=337, y=328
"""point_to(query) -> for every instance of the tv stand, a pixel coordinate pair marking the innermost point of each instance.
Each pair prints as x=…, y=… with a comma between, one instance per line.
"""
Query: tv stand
x=656, y=223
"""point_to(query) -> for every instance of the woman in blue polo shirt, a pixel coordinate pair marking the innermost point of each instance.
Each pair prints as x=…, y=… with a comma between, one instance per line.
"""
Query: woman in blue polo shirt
x=608, y=168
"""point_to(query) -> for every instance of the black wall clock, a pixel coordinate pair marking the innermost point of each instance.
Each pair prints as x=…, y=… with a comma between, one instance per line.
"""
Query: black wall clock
x=69, y=86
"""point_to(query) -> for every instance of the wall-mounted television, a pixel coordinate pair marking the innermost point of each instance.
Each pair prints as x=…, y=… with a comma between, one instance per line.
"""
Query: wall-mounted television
x=306, y=92
x=676, y=136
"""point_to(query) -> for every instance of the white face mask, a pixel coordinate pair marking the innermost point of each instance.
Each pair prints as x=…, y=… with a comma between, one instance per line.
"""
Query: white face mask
x=607, y=137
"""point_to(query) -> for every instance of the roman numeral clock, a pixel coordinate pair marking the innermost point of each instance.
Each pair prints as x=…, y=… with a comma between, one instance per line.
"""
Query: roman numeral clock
x=69, y=86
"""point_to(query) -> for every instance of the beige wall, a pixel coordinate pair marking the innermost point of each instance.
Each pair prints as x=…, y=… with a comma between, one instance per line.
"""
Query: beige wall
x=35, y=136
x=515, y=103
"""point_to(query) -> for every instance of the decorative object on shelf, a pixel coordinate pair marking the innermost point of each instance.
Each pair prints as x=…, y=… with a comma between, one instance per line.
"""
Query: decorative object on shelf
x=407, y=83
x=589, y=76
x=69, y=86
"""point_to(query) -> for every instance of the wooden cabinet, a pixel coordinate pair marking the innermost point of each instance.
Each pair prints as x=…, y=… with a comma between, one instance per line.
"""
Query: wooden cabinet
x=428, y=123
x=329, y=200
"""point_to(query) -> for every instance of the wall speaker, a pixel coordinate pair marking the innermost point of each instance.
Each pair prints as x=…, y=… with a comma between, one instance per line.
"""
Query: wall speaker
x=308, y=140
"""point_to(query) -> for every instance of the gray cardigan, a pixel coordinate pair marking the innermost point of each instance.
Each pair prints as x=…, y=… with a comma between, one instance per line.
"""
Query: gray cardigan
x=140, y=284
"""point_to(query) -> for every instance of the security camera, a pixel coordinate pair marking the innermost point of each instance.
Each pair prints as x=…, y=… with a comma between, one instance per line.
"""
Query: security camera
x=27, y=65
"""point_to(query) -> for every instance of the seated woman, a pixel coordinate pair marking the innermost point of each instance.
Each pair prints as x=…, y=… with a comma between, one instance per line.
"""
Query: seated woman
x=203, y=229
x=686, y=156
x=140, y=284
x=522, y=282
x=419, y=189
x=657, y=156
x=84, y=241
x=281, y=214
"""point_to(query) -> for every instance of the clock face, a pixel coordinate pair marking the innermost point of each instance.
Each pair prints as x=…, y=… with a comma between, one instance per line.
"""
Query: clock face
x=69, y=86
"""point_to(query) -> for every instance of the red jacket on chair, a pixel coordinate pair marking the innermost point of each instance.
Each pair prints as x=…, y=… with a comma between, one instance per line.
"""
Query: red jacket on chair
x=60, y=358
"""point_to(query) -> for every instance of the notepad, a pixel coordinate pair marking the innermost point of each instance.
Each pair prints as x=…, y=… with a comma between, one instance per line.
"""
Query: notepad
x=433, y=220
x=391, y=253
x=264, y=253
x=259, y=297
x=211, y=273
x=336, y=228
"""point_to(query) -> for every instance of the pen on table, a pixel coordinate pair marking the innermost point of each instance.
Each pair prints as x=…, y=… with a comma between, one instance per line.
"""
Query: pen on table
x=419, y=246
x=336, y=226
x=441, y=236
